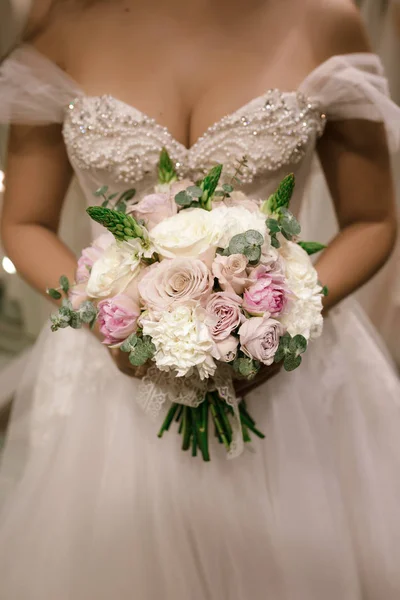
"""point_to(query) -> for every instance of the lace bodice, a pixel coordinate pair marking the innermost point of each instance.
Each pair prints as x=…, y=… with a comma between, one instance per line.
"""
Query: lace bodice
x=112, y=143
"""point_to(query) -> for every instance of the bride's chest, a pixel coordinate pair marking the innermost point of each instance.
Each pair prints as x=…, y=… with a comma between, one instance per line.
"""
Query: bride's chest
x=114, y=140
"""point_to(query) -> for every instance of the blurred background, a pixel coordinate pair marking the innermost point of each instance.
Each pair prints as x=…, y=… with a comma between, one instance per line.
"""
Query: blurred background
x=23, y=312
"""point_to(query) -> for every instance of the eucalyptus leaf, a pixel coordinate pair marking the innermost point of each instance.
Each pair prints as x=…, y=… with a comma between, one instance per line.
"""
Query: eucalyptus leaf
x=253, y=254
x=287, y=235
x=65, y=313
x=289, y=223
x=55, y=294
x=76, y=321
x=254, y=237
x=195, y=191
x=291, y=362
x=129, y=343
x=275, y=243
x=227, y=188
x=64, y=283
x=101, y=191
x=127, y=195
x=104, y=204
x=298, y=344
x=237, y=244
x=112, y=196
x=183, y=199
x=87, y=311
x=273, y=225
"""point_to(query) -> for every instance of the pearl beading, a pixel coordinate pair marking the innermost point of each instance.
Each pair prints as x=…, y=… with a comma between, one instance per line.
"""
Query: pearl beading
x=113, y=138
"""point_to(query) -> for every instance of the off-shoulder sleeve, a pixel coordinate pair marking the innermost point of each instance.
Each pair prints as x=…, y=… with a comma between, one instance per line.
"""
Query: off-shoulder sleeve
x=33, y=90
x=353, y=86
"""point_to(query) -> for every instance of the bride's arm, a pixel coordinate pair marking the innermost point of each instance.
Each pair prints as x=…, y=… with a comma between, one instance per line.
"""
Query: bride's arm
x=356, y=162
x=37, y=178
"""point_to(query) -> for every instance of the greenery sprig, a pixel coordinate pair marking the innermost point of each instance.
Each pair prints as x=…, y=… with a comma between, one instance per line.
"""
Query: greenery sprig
x=123, y=227
x=67, y=316
x=120, y=204
x=290, y=350
x=140, y=349
x=166, y=170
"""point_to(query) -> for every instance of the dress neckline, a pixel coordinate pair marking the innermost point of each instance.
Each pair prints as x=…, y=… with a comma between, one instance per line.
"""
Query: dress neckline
x=78, y=92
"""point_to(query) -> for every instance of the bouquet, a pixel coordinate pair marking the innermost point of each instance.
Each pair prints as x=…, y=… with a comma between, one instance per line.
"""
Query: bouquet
x=203, y=283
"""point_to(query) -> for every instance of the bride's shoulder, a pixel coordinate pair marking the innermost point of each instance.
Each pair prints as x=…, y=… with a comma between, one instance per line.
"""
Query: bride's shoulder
x=38, y=14
x=336, y=27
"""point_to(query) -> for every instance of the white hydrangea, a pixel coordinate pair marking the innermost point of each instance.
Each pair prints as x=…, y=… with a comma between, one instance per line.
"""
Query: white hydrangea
x=232, y=220
x=182, y=341
x=303, y=313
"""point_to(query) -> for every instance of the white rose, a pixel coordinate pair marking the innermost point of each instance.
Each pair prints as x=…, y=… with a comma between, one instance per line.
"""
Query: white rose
x=232, y=220
x=182, y=341
x=299, y=270
x=188, y=234
x=114, y=270
x=303, y=313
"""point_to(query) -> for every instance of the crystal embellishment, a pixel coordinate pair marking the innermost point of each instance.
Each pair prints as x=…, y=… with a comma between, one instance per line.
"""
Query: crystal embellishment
x=112, y=138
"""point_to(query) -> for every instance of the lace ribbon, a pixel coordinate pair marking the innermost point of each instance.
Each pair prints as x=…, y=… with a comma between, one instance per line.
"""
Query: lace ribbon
x=159, y=389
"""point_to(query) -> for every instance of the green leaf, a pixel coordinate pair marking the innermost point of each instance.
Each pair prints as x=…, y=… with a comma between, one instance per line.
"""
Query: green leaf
x=76, y=321
x=219, y=193
x=273, y=225
x=121, y=207
x=101, y=191
x=227, y=188
x=112, y=196
x=254, y=238
x=127, y=195
x=54, y=294
x=195, y=191
x=325, y=290
x=238, y=244
x=284, y=192
x=253, y=254
x=142, y=352
x=130, y=343
x=87, y=311
x=104, y=204
x=183, y=199
x=246, y=367
x=298, y=345
x=289, y=223
x=268, y=206
x=291, y=362
x=64, y=283
x=311, y=247
x=286, y=235
x=166, y=169
x=210, y=182
x=275, y=243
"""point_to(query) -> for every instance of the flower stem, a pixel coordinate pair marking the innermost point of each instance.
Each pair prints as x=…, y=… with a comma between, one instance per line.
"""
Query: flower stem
x=245, y=421
x=168, y=419
x=217, y=421
x=187, y=428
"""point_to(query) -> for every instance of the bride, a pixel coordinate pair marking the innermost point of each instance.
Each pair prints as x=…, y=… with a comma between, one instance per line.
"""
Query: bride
x=96, y=507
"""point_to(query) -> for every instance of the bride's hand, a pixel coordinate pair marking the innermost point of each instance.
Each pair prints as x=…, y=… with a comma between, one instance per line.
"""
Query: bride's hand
x=244, y=386
x=121, y=359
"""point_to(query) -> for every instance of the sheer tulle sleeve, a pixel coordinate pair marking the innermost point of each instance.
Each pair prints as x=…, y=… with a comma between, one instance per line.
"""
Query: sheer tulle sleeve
x=33, y=90
x=353, y=86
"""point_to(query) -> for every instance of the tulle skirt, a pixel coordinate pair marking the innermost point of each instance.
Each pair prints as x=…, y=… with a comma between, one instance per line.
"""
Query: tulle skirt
x=96, y=507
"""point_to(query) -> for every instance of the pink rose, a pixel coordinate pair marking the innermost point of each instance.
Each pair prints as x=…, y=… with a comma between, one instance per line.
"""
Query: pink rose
x=259, y=338
x=91, y=254
x=240, y=199
x=231, y=272
x=266, y=294
x=154, y=208
x=172, y=280
x=77, y=295
x=117, y=318
x=226, y=350
x=224, y=310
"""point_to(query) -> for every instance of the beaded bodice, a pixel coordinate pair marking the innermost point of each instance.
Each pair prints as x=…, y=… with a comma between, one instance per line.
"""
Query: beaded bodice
x=120, y=146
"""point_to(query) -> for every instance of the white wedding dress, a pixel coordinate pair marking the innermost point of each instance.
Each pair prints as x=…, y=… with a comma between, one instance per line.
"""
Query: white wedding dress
x=96, y=507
